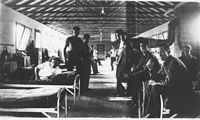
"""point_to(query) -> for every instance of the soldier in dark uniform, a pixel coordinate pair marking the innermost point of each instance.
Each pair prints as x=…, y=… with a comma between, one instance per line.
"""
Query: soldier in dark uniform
x=124, y=61
x=190, y=61
x=73, y=51
x=144, y=71
x=85, y=65
x=171, y=80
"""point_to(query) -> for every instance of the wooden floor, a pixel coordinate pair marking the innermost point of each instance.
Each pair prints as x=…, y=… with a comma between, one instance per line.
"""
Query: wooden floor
x=100, y=101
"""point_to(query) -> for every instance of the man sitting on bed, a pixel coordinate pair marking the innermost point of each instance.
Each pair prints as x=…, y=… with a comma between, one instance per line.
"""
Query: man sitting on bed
x=47, y=70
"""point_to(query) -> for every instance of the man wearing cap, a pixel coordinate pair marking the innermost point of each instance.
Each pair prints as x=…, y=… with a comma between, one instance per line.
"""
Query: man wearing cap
x=73, y=51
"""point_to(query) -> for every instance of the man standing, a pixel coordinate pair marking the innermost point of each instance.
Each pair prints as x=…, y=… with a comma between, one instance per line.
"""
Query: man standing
x=73, y=51
x=94, y=56
x=85, y=66
x=124, y=61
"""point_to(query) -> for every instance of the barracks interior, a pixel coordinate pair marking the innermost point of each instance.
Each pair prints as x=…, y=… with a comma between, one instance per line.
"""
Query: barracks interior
x=99, y=59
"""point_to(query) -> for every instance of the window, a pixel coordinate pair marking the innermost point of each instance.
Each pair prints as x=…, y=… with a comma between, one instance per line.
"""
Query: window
x=154, y=37
x=160, y=36
x=100, y=48
x=113, y=37
x=165, y=35
x=37, y=38
x=22, y=36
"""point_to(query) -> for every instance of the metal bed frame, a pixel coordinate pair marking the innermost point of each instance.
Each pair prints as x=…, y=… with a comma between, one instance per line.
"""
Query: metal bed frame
x=41, y=110
x=72, y=89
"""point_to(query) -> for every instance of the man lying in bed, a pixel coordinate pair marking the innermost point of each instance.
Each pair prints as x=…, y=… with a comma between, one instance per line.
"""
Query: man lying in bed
x=47, y=70
x=47, y=73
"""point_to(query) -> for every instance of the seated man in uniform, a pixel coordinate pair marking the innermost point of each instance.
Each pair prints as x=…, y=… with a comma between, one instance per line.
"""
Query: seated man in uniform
x=191, y=62
x=47, y=70
x=144, y=71
x=173, y=81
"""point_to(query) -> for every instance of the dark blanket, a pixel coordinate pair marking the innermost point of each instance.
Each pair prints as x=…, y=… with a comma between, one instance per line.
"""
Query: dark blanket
x=28, y=98
x=65, y=78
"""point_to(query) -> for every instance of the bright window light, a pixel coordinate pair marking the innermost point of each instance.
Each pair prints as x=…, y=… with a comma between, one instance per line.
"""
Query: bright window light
x=38, y=38
x=113, y=38
x=22, y=36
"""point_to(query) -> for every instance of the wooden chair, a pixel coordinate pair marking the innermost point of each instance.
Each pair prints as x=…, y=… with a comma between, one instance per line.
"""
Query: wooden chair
x=141, y=107
x=164, y=111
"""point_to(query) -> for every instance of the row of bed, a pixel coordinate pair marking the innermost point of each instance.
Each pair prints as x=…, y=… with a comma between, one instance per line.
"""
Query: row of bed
x=39, y=96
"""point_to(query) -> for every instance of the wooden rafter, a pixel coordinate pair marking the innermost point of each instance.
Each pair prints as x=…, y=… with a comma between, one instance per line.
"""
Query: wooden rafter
x=135, y=16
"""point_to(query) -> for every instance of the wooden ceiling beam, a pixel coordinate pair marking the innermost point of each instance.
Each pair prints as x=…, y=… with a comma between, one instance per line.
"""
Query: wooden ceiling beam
x=104, y=30
x=155, y=5
x=141, y=11
x=79, y=17
x=10, y=3
x=97, y=27
x=98, y=5
x=84, y=18
x=104, y=20
x=69, y=6
x=128, y=21
x=82, y=22
x=43, y=11
x=135, y=4
x=107, y=21
x=86, y=25
x=98, y=30
x=94, y=12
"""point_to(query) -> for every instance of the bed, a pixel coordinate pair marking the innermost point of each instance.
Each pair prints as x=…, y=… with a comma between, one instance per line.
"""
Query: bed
x=69, y=81
x=32, y=100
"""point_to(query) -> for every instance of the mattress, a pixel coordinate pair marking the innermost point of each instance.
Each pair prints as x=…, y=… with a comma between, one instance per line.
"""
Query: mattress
x=38, y=97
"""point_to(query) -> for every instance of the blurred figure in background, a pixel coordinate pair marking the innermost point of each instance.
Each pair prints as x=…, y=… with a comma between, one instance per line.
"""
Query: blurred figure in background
x=190, y=61
x=4, y=58
x=94, y=60
x=107, y=54
x=113, y=55
x=32, y=51
x=45, y=55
